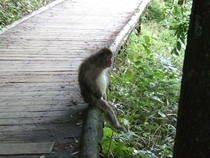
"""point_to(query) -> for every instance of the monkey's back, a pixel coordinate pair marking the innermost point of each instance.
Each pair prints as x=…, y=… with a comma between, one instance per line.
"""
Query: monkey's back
x=88, y=74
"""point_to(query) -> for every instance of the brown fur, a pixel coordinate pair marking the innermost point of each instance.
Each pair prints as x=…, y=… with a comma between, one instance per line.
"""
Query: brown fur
x=92, y=69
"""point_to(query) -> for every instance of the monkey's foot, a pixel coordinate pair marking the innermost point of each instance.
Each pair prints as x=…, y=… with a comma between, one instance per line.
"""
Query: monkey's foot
x=121, y=128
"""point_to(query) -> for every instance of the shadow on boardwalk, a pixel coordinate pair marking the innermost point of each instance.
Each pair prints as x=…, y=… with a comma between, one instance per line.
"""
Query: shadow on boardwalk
x=39, y=57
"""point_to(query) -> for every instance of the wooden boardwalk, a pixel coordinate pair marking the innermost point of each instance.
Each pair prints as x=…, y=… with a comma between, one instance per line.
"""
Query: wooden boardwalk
x=40, y=103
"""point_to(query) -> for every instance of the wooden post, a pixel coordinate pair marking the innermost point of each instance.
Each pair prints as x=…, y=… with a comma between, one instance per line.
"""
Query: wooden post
x=92, y=134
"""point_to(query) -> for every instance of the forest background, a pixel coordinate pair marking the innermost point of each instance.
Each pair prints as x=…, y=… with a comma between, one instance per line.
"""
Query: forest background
x=145, y=83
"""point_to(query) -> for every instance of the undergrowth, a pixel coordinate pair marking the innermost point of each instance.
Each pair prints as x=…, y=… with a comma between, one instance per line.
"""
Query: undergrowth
x=145, y=84
x=11, y=10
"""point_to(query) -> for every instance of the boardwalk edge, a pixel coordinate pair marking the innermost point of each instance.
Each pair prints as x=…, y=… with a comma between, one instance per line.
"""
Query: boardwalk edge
x=123, y=35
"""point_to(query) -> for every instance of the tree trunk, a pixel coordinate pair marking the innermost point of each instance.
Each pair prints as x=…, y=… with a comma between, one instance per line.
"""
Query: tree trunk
x=193, y=124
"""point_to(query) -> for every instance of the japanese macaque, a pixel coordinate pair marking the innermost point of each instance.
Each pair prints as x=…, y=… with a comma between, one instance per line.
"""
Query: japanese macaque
x=93, y=81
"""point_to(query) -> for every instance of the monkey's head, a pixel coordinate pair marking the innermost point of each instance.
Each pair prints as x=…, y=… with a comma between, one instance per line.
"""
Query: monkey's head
x=105, y=57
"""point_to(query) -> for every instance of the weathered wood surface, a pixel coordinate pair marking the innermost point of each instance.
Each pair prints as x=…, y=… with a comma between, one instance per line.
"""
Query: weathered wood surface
x=26, y=148
x=91, y=139
x=39, y=58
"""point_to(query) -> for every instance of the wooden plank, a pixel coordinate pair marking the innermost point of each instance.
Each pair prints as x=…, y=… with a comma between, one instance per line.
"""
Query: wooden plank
x=20, y=121
x=26, y=148
x=80, y=38
x=42, y=136
x=42, y=106
x=28, y=104
x=68, y=56
x=43, y=85
x=56, y=113
x=40, y=81
x=27, y=114
x=39, y=94
x=29, y=73
x=30, y=48
x=35, y=120
x=55, y=36
x=65, y=126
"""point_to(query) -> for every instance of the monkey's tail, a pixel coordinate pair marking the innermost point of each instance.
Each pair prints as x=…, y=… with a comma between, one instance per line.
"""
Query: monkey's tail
x=104, y=106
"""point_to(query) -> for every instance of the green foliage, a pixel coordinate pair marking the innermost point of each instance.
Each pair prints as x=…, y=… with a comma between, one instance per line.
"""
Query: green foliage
x=171, y=15
x=178, y=19
x=155, y=11
x=145, y=84
x=118, y=149
x=11, y=10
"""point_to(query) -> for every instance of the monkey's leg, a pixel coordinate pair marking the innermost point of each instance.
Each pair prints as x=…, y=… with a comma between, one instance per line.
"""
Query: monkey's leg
x=110, y=115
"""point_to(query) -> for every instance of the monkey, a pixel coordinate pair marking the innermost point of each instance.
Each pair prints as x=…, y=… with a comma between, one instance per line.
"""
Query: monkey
x=93, y=81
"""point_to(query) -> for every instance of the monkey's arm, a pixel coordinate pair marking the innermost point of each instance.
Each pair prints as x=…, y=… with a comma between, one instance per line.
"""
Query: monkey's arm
x=95, y=89
x=90, y=81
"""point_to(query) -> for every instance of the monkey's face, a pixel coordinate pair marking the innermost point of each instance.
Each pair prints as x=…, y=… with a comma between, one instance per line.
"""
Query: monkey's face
x=109, y=60
x=105, y=57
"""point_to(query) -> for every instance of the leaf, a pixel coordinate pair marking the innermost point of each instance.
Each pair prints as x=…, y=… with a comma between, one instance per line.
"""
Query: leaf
x=147, y=39
x=131, y=58
x=139, y=57
x=161, y=114
x=174, y=51
x=182, y=37
x=145, y=134
x=125, y=122
x=137, y=63
x=157, y=99
x=178, y=45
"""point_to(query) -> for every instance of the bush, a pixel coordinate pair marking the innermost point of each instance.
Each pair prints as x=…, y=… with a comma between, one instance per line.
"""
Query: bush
x=145, y=83
x=11, y=10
